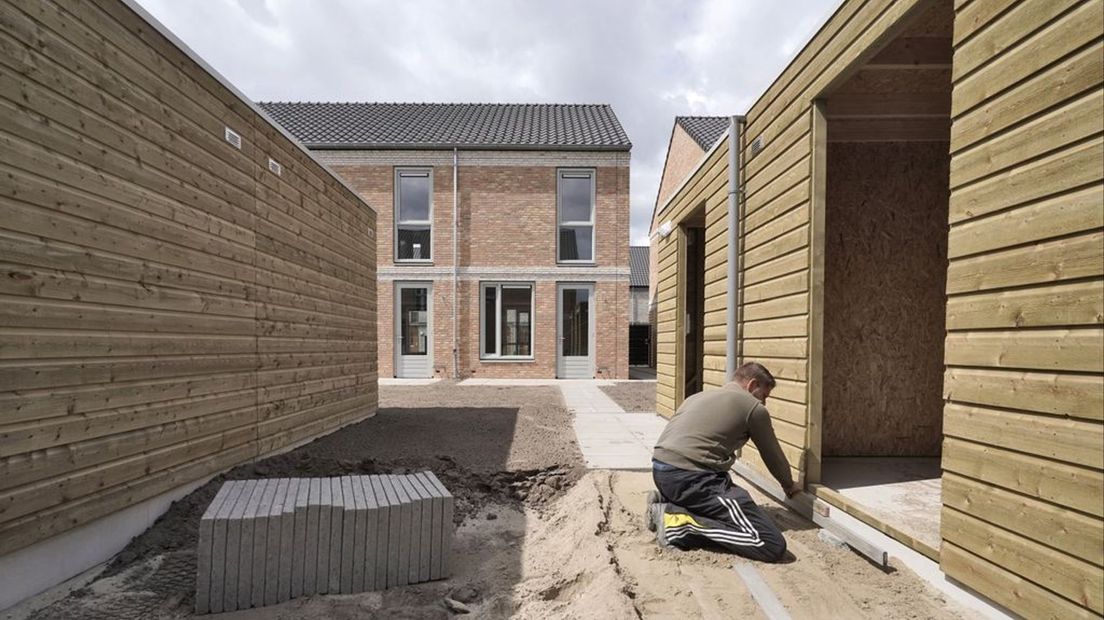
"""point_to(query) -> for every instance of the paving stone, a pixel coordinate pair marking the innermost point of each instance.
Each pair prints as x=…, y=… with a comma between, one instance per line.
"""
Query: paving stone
x=372, y=534
x=299, y=541
x=384, y=575
x=360, y=547
x=447, y=525
x=260, y=542
x=310, y=538
x=274, y=545
x=337, y=534
x=204, y=558
x=325, y=508
x=287, y=540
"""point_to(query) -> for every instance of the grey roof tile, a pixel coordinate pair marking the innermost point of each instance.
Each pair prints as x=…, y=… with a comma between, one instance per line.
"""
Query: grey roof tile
x=705, y=130
x=436, y=125
x=638, y=265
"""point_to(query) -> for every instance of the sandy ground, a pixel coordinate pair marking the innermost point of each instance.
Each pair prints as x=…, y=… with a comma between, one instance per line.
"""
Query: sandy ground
x=633, y=396
x=536, y=538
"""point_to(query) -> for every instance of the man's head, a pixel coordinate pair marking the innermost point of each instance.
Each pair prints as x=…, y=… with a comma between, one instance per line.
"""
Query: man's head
x=756, y=379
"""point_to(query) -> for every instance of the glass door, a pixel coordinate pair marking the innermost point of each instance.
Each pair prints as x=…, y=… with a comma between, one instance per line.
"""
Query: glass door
x=413, y=330
x=575, y=327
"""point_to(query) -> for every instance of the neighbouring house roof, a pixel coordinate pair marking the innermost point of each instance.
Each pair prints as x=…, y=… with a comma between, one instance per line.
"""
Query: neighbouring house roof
x=705, y=130
x=638, y=265
x=448, y=125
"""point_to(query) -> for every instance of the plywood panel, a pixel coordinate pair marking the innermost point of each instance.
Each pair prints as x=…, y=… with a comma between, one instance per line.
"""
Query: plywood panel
x=884, y=312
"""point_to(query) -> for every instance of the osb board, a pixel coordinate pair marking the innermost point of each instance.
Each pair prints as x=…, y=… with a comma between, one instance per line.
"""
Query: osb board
x=884, y=312
x=169, y=306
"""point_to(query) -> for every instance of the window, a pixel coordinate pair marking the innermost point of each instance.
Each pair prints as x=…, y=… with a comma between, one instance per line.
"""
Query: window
x=414, y=214
x=575, y=216
x=506, y=328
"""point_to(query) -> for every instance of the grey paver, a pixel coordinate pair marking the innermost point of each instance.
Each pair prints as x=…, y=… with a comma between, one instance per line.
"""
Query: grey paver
x=274, y=541
x=248, y=533
x=437, y=526
x=310, y=540
x=233, y=547
x=375, y=526
x=218, y=547
x=287, y=540
x=414, y=539
x=204, y=552
x=325, y=509
x=425, y=523
x=337, y=535
x=405, y=514
x=299, y=541
x=359, y=522
x=394, y=520
x=447, y=525
x=260, y=542
x=348, y=535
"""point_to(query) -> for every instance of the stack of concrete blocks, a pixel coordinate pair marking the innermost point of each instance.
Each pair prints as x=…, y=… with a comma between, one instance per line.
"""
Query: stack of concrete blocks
x=263, y=542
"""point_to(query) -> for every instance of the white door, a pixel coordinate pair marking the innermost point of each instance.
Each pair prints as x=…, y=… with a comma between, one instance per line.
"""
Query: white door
x=414, y=330
x=575, y=331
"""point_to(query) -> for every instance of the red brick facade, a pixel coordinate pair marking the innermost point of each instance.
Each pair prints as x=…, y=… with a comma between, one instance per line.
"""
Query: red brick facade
x=507, y=233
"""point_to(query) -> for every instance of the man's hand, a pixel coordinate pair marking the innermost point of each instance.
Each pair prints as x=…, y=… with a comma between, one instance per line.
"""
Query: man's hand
x=794, y=490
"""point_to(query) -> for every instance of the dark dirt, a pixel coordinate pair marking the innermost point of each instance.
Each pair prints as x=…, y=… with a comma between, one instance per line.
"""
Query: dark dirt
x=519, y=452
x=633, y=396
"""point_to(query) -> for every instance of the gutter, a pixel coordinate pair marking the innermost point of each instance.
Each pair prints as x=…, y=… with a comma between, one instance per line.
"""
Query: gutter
x=455, y=263
x=734, y=340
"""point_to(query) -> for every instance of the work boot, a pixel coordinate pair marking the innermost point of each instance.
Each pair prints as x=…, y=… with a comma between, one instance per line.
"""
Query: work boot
x=656, y=513
x=652, y=499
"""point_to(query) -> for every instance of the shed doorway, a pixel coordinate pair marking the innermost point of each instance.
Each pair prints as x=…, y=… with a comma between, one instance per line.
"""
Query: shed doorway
x=693, y=303
x=886, y=167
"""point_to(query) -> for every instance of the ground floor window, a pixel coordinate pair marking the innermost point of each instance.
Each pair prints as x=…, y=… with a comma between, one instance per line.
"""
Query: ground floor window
x=506, y=321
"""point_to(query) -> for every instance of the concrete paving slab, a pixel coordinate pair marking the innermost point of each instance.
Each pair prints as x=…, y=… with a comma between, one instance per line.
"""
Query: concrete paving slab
x=337, y=535
x=287, y=540
x=393, y=518
x=302, y=523
x=447, y=526
x=375, y=576
x=219, y=547
x=260, y=542
x=348, y=534
x=436, y=503
x=325, y=509
x=275, y=541
x=422, y=528
x=248, y=533
x=310, y=542
x=204, y=559
x=406, y=510
x=359, y=534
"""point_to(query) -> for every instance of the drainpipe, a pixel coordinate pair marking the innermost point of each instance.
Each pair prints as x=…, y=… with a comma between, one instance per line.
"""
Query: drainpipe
x=734, y=340
x=455, y=264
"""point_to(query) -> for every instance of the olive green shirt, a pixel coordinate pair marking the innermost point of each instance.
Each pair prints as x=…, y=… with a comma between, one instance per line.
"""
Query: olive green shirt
x=709, y=427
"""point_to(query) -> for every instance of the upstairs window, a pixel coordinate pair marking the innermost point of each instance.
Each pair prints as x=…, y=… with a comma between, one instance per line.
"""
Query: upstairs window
x=506, y=329
x=414, y=214
x=575, y=216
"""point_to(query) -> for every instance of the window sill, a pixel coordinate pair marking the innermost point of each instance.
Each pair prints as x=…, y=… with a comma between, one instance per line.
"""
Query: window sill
x=584, y=263
x=408, y=261
x=507, y=360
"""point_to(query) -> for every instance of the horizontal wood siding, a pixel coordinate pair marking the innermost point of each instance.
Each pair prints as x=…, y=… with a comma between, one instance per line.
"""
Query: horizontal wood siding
x=168, y=306
x=1024, y=419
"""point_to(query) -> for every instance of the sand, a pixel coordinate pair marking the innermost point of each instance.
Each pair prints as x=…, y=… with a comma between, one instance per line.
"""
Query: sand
x=537, y=538
x=633, y=396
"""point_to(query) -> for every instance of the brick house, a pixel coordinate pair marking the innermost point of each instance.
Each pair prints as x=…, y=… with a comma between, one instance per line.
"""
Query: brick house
x=519, y=212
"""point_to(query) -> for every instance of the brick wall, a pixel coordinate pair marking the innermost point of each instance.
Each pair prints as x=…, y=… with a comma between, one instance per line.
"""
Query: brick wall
x=683, y=156
x=507, y=222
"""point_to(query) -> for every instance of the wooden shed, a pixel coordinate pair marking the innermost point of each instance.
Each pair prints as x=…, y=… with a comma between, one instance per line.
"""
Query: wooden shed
x=182, y=286
x=917, y=253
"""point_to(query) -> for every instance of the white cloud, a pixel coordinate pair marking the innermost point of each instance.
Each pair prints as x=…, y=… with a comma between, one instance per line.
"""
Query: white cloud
x=650, y=60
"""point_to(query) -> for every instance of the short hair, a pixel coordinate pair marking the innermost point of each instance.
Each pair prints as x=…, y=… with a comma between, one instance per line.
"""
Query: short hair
x=757, y=371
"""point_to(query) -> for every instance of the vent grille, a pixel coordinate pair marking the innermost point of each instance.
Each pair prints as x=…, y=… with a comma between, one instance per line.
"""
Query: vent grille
x=275, y=167
x=756, y=145
x=233, y=138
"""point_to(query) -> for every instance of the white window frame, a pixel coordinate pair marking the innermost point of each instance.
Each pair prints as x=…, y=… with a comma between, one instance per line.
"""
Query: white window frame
x=412, y=171
x=497, y=355
x=592, y=174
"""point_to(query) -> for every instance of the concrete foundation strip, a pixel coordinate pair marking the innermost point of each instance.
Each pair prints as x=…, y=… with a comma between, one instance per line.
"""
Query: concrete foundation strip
x=761, y=592
x=263, y=542
x=810, y=511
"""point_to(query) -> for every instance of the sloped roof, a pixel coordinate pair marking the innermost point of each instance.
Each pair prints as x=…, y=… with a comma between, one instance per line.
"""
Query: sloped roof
x=438, y=125
x=705, y=130
x=638, y=265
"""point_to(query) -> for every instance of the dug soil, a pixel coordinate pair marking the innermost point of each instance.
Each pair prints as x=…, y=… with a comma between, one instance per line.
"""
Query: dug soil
x=633, y=396
x=536, y=538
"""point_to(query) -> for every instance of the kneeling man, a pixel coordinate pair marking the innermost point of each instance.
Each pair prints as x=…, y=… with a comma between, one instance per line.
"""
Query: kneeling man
x=697, y=504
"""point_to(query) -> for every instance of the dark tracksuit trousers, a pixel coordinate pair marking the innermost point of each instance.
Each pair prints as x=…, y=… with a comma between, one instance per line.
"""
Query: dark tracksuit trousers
x=705, y=509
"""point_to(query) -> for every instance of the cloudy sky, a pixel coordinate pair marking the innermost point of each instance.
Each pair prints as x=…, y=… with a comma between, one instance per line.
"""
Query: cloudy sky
x=650, y=60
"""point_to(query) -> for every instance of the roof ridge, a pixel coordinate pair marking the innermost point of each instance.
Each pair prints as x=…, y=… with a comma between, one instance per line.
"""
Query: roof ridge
x=438, y=103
